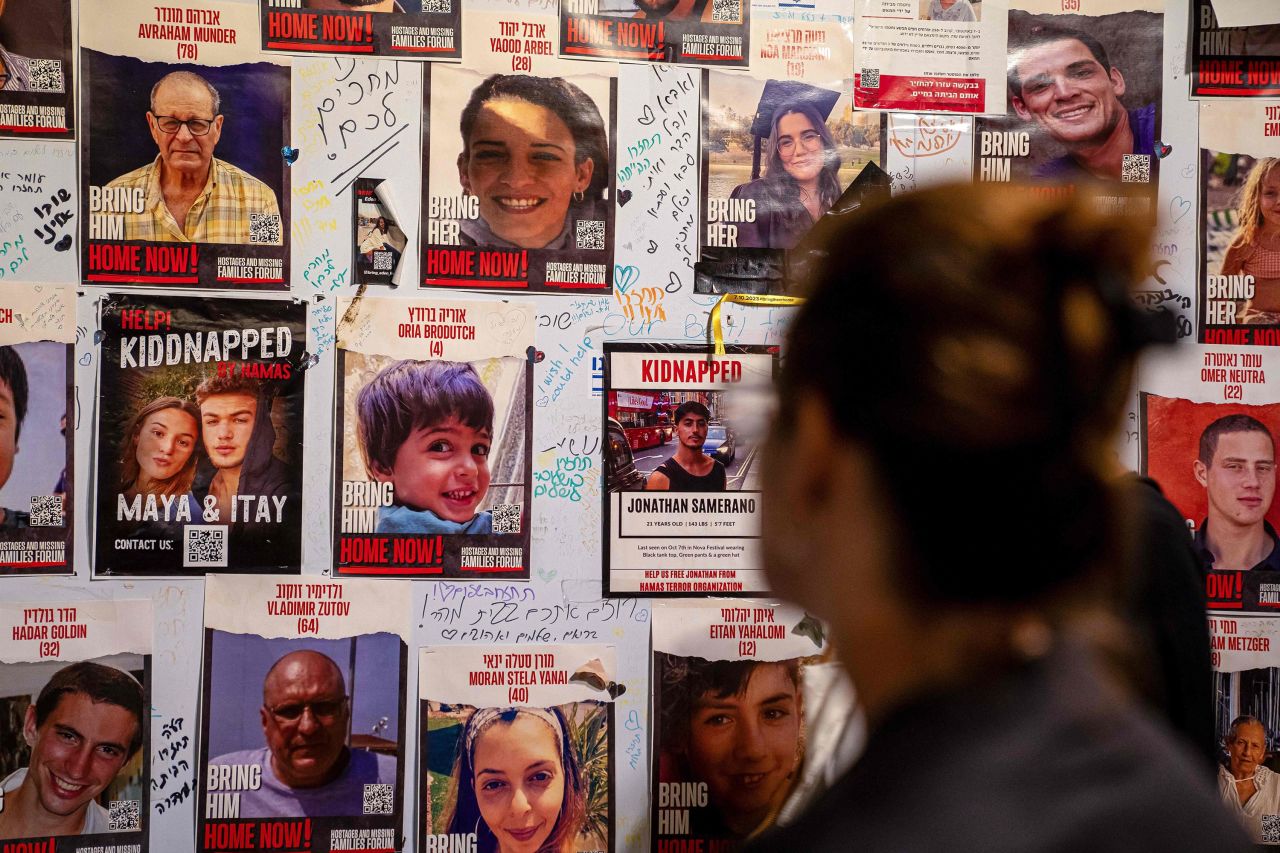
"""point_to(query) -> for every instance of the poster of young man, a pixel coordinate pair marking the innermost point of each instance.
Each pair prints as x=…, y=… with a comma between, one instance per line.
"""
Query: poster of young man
x=434, y=418
x=379, y=239
x=302, y=714
x=1084, y=96
x=402, y=29
x=1246, y=663
x=518, y=171
x=682, y=501
x=1232, y=62
x=734, y=748
x=1239, y=300
x=75, y=726
x=931, y=55
x=517, y=749
x=687, y=32
x=199, y=435
x=36, y=70
x=37, y=338
x=182, y=177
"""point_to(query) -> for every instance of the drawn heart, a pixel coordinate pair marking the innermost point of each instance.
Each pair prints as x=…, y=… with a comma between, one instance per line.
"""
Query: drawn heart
x=290, y=154
x=63, y=244
x=506, y=326
x=624, y=277
x=1162, y=150
x=547, y=575
x=1179, y=207
x=624, y=196
x=86, y=358
x=449, y=633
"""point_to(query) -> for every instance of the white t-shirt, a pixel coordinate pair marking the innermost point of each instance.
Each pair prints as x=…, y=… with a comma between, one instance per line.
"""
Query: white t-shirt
x=96, y=818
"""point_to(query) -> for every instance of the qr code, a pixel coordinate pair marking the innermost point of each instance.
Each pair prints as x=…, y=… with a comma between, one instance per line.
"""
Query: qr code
x=726, y=11
x=379, y=799
x=590, y=233
x=870, y=78
x=46, y=75
x=444, y=6
x=1135, y=169
x=264, y=228
x=46, y=511
x=506, y=518
x=1271, y=829
x=383, y=261
x=124, y=816
x=206, y=546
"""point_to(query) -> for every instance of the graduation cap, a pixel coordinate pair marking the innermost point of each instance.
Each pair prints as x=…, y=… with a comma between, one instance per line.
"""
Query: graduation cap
x=780, y=93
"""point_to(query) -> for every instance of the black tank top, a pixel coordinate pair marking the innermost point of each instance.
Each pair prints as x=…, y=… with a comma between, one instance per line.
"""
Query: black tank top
x=682, y=481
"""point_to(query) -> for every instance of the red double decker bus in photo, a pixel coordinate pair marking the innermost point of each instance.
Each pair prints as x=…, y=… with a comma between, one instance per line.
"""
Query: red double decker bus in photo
x=645, y=418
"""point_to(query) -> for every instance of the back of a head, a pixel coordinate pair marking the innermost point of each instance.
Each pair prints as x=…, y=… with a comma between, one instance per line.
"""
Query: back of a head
x=979, y=341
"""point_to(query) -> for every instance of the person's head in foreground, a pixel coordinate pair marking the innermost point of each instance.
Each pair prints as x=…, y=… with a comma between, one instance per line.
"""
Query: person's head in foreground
x=534, y=151
x=158, y=456
x=736, y=726
x=305, y=712
x=85, y=724
x=1246, y=746
x=1236, y=464
x=516, y=782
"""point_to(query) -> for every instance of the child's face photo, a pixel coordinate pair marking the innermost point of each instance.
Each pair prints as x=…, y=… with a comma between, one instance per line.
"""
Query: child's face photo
x=443, y=468
x=1271, y=200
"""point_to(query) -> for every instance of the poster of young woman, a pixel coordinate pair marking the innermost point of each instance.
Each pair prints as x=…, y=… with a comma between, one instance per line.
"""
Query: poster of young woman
x=434, y=413
x=199, y=430
x=37, y=91
x=518, y=171
x=517, y=748
x=182, y=177
x=402, y=29
x=37, y=339
x=688, y=32
x=74, y=671
x=302, y=714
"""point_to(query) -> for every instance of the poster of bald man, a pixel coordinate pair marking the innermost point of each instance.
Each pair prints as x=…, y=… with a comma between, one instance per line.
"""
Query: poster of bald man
x=36, y=69
x=75, y=734
x=184, y=182
x=302, y=716
x=404, y=29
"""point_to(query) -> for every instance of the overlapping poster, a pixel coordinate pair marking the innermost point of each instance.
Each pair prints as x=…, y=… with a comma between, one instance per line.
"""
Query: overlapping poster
x=689, y=32
x=403, y=29
x=682, y=500
x=931, y=55
x=1232, y=62
x=183, y=181
x=1084, y=93
x=37, y=340
x=302, y=714
x=732, y=672
x=379, y=237
x=518, y=164
x=199, y=433
x=434, y=418
x=517, y=748
x=36, y=70
x=75, y=726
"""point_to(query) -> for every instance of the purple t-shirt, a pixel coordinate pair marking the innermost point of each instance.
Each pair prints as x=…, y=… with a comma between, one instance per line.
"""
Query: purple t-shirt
x=343, y=797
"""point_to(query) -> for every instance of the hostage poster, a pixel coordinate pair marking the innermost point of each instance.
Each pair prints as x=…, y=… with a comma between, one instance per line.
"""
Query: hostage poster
x=518, y=154
x=302, y=715
x=199, y=435
x=36, y=70
x=183, y=123
x=403, y=29
x=75, y=726
x=721, y=671
x=434, y=412
x=37, y=339
x=1232, y=62
x=688, y=32
x=682, y=500
x=517, y=748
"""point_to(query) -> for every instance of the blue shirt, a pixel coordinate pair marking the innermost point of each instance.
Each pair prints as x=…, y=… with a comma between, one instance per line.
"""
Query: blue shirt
x=402, y=519
x=1142, y=122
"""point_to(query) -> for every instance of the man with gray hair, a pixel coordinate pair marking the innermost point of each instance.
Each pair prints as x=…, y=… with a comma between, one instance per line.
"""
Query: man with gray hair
x=1248, y=789
x=190, y=195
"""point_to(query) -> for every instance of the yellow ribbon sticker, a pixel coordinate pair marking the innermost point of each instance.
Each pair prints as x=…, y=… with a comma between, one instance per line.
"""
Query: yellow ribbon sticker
x=717, y=334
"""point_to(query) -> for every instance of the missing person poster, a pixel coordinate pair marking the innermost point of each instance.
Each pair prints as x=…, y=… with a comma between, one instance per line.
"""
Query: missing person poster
x=199, y=435
x=36, y=70
x=931, y=55
x=37, y=341
x=517, y=748
x=403, y=29
x=1084, y=96
x=302, y=715
x=688, y=32
x=1246, y=677
x=184, y=122
x=1239, y=301
x=1232, y=62
x=518, y=171
x=379, y=238
x=434, y=419
x=75, y=726
x=726, y=667
x=682, y=499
